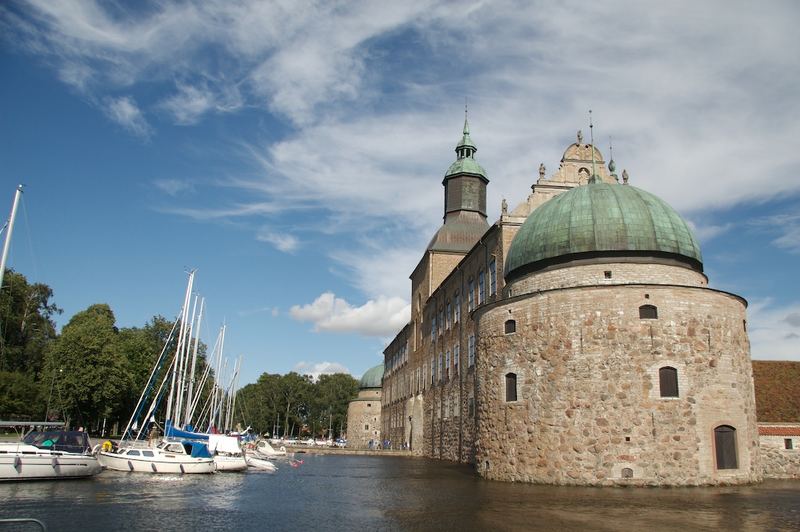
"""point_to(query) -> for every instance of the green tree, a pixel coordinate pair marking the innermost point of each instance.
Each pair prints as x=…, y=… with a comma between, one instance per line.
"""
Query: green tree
x=332, y=396
x=20, y=396
x=294, y=392
x=26, y=325
x=90, y=375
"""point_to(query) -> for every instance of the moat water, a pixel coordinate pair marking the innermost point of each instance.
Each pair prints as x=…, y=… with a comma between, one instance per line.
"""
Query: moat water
x=337, y=492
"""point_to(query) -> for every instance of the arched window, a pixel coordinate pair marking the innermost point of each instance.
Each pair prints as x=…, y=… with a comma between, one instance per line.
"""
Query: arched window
x=725, y=446
x=511, y=387
x=648, y=312
x=668, y=381
x=511, y=326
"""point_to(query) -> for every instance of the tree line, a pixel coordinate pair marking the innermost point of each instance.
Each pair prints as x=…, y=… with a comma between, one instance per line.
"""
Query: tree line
x=92, y=373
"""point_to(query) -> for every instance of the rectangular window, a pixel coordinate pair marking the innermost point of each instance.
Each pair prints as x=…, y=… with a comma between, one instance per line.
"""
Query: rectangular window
x=433, y=370
x=457, y=309
x=471, y=352
x=492, y=277
x=441, y=320
x=447, y=315
x=447, y=365
x=471, y=296
x=481, y=287
x=424, y=377
x=471, y=406
x=433, y=327
x=441, y=366
x=787, y=443
x=456, y=356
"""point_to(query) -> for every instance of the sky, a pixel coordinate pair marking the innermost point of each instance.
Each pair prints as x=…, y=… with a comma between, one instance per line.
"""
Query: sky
x=292, y=152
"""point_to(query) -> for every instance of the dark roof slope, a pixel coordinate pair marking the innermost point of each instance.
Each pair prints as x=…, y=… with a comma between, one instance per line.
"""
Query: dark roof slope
x=777, y=396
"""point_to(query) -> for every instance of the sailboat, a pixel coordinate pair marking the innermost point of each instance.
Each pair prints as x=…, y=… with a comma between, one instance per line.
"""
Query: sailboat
x=46, y=454
x=168, y=455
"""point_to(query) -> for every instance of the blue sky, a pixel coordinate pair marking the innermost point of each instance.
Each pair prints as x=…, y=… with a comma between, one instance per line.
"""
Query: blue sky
x=293, y=152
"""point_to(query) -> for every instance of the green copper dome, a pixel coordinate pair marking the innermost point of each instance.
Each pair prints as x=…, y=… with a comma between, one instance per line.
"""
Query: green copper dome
x=601, y=220
x=373, y=378
x=467, y=165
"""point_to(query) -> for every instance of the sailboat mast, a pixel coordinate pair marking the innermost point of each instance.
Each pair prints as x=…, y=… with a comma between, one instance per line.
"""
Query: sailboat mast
x=181, y=336
x=179, y=397
x=190, y=393
x=10, y=227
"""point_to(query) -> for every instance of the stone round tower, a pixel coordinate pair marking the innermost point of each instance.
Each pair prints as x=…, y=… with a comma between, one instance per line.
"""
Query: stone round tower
x=364, y=412
x=608, y=359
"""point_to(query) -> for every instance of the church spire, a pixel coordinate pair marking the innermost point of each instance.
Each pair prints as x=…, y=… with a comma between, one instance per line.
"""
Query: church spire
x=465, y=147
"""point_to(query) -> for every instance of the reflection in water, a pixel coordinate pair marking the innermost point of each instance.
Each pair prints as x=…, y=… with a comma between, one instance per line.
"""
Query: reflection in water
x=388, y=493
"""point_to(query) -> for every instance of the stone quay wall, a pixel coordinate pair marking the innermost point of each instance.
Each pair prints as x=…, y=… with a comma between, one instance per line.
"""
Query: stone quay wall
x=780, y=450
x=588, y=408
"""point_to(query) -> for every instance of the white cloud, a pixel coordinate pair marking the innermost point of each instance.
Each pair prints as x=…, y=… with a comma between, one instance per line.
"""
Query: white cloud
x=773, y=330
x=377, y=317
x=190, y=103
x=282, y=241
x=173, y=187
x=315, y=369
x=707, y=231
x=787, y=226
x=125, y=112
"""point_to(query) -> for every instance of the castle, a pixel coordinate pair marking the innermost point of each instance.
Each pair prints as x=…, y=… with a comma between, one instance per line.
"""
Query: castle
x=573, y=341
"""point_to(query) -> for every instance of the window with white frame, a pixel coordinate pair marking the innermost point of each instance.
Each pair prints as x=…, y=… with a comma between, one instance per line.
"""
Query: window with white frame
x=457, y=308
x=441, y=320
x=471, y=295
x=447, y=315
x=492, y=277
x=471, y=350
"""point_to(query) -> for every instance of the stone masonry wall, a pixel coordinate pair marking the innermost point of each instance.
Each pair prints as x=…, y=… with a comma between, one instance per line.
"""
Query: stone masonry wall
x=777, y=461
x=595, y=274
x=364, y=419
x=588, y=410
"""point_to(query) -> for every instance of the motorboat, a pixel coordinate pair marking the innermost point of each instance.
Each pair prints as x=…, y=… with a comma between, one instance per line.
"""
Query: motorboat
x=166, y=457
x=264, y=450
x=50, y=454
x=228, y=455
x=260, y=463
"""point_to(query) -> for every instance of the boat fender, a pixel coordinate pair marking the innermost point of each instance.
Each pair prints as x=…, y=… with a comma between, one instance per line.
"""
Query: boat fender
x=55, y=463
x=17, y=463
x=130, y=465
x=107, y=446
x=154, y=468
x=182, y=471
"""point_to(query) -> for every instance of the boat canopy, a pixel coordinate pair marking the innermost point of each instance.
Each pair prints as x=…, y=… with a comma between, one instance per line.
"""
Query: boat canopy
x=59, y=440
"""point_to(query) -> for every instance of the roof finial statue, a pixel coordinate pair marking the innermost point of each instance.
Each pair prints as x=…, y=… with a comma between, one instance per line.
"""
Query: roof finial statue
x=542, y=170
x=504, y=207
x=612, y=166
x=624, y=177
x=580, y=137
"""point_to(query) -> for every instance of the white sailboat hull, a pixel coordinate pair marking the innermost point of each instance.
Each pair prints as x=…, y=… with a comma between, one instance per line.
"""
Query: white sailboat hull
x=160, y=463
x=230, y=463
x=261, y=464
x=25, y=462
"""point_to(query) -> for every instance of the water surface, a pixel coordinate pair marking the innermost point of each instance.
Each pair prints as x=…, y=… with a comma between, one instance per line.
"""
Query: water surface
x=337, y=492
